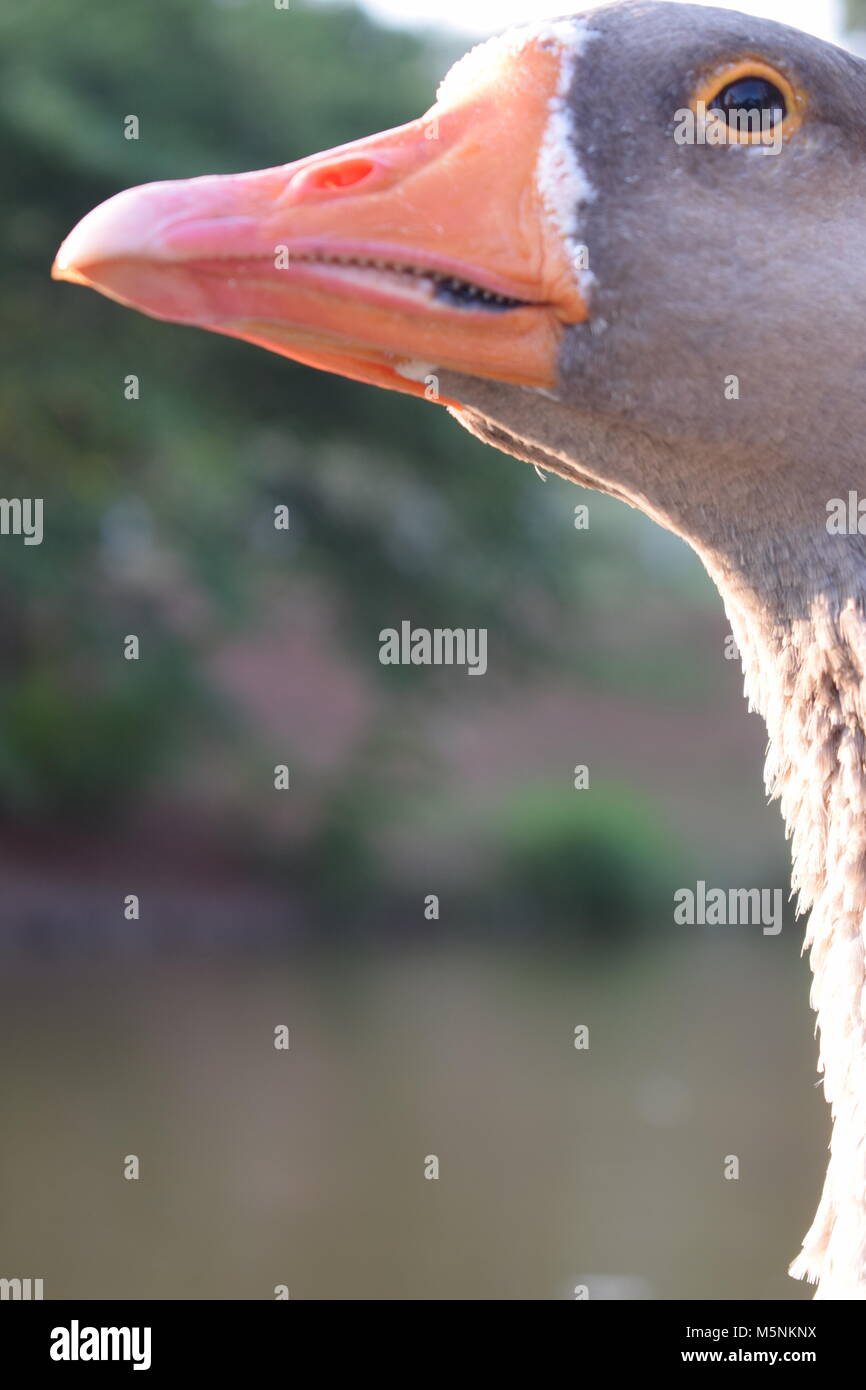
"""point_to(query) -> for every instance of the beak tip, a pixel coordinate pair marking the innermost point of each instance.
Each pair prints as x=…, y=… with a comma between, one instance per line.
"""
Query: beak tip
x=65, y=268
x=112, y=230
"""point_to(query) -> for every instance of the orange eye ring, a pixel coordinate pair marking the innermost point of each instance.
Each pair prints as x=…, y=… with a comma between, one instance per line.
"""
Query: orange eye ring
x=743, y=132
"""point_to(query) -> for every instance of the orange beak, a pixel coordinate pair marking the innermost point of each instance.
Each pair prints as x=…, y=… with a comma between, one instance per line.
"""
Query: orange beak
x=425, y=248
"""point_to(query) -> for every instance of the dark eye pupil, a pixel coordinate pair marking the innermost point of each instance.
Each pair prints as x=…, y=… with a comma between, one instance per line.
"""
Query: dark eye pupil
x=750, y=94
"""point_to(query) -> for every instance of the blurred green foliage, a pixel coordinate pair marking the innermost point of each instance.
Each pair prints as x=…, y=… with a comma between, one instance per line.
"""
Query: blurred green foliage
x=388, y=498
x=159, y=511
x=598, y=864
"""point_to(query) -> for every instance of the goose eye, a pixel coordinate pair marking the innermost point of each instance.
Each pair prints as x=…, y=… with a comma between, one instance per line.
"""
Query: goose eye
x=750, y=94
x=752, y=100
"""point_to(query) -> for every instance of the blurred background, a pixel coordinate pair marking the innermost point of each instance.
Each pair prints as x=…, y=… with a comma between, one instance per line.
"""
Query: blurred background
x=306, y=908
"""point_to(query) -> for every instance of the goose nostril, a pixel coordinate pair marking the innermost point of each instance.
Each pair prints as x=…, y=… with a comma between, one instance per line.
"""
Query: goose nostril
x=339, y=173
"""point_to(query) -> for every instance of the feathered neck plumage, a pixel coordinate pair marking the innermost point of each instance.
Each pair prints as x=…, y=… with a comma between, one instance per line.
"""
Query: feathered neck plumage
x=804, y=658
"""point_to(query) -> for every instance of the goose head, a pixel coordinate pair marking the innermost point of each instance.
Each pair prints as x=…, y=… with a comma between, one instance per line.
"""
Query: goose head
x=627, y=247
x=581, y=249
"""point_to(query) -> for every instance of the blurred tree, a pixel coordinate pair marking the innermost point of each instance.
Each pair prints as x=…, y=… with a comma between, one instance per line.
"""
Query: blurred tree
x=159, y=510
x=171, y=495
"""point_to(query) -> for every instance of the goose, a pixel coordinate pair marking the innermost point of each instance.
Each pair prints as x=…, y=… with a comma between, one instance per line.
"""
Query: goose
x=625, y=246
